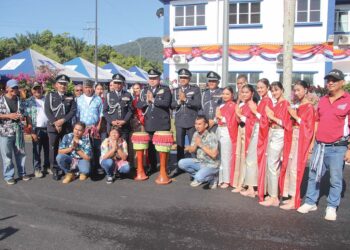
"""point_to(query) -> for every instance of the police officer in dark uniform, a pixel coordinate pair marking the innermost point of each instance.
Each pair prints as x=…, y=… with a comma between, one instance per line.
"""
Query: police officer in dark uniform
x=186, y=103
x=155, y=103
x=60, y=108
x=117, y=108
x=211, y=99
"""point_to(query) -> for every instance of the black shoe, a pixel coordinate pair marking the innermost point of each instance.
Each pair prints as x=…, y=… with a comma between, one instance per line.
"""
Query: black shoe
x=151, y=171
x=56, y=176
x=177, y=172
x=26, y=178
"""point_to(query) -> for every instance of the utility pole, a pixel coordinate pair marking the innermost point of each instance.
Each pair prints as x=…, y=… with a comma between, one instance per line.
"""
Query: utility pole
x=225, y=43
x=96, y=43
x=288, y=42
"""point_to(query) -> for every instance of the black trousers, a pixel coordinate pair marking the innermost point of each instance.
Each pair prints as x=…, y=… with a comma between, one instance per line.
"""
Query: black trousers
x=180, y=140
x=41, y=144
x=152, y=154
x=54, y=140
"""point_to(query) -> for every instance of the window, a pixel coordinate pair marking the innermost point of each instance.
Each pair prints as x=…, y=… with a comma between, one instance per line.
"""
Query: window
x=342, y=20
x=190, y=15
x=308, y=11
x=244, y=13
x=199, y=78
x=253, y=77
x=306, y=76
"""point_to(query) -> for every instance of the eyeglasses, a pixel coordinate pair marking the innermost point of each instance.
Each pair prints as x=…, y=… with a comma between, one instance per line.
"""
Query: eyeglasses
x=78, y=90
x=333, y=80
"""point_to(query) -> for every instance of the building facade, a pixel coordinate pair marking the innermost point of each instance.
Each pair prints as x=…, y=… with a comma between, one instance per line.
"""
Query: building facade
x=193, y=32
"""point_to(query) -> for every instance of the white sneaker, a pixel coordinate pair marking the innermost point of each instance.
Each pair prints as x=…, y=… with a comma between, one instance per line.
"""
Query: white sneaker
x=213, y=185
x=305, y=208
x=331, y=213
x=195, y=183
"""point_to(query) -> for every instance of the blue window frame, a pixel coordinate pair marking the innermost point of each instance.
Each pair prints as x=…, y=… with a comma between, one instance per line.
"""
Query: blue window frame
x=308, y=11
x=190, y=15
x=245, y=12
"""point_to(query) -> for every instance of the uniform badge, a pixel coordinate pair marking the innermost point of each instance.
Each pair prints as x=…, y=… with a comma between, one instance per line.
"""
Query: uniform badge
x=190, y=93
x=160, y=92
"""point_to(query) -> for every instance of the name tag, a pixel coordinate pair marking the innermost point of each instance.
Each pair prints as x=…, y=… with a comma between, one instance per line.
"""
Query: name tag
x=160, y=92
x=126, y=99
x=69, y=98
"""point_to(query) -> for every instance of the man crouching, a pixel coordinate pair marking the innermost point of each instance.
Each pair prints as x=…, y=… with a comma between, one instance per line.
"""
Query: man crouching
x=205, y=167
x=75, y=152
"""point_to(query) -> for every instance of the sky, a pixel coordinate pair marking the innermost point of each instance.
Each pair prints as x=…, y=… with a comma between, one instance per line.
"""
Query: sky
x=119, y=21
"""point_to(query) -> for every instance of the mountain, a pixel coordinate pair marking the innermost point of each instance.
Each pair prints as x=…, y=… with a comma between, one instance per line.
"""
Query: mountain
x=151, y=48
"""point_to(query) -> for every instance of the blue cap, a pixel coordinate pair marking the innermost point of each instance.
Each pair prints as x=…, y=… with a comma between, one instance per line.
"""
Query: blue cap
x=12, y=83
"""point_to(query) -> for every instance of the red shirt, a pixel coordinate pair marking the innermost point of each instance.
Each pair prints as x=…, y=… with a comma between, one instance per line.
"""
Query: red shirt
x=333, y=118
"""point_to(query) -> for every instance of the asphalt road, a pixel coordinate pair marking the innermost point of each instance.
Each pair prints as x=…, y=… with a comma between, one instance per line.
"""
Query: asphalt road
x=45, y=214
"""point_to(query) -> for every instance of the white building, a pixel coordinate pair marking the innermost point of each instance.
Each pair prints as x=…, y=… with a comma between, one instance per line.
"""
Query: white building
x=193, y=38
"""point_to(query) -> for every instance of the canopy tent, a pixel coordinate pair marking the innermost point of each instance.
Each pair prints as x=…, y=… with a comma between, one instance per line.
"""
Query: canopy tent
x=129, y=77
x=87, y=68
x=28, y=61
x=139, y=72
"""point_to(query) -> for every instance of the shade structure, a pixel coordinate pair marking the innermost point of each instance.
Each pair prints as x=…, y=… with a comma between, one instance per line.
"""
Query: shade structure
x=139, y=72
x=28, y=62
x=129, y=77
x=87, y=68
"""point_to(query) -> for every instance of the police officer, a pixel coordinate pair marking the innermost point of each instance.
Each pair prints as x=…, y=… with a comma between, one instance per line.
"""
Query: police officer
x=186, y=103
x=117, y=108
x=155, y=102
x=60, y=108
x=211, y=99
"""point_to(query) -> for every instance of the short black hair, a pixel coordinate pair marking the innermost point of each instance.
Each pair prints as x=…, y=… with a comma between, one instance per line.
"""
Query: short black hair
x=202, y=117
x=82, y=124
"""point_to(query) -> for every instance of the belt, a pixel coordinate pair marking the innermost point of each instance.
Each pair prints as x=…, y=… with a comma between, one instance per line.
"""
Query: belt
x=41, y=128
x=223, y=125
x=296, y=127
x=337, y=144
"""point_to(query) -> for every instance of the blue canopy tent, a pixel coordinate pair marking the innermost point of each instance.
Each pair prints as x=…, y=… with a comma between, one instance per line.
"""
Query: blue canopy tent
x=129, y=77
x=28, y=61
x=87, y=68
x=139, y=72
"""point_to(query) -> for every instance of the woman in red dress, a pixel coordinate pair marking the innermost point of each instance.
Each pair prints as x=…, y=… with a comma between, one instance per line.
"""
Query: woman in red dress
x=226, y=134
x=246, y=120
x=279, y=141
x=256, y=155
x=303, y=130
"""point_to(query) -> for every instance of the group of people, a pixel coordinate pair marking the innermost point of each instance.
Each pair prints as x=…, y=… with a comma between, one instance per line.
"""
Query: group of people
x=254, y=141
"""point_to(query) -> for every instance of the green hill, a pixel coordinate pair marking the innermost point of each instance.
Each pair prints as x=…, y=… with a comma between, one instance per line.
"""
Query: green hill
x=151, y=48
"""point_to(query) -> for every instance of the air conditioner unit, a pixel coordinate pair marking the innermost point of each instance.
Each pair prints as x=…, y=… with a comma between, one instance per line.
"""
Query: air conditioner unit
x=179, y=59
x=344, y=40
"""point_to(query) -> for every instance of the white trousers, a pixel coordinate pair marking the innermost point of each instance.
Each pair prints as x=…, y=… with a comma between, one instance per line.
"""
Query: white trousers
x=274, y=154
x=251, y=162
x=225, y=154
x=290, y=181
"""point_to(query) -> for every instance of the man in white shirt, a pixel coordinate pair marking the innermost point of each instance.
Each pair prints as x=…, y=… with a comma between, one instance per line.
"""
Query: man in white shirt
x=37, y=123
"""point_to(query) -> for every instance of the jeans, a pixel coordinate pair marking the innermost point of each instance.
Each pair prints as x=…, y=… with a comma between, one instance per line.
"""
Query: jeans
x=42, y=143
x=199, y=171
x=65, y=161
x=109, y=165
x=7, y=147
x=333, y=162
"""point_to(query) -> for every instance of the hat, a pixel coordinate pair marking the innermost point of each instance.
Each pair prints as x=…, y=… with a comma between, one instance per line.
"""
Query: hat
x=336, y=73
x=213, y=76
x=184, y=73
x=12, y=83
x=118, y=78
x=88, y=83
x=62, y=79
x=153, y=73
x=36, y=84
